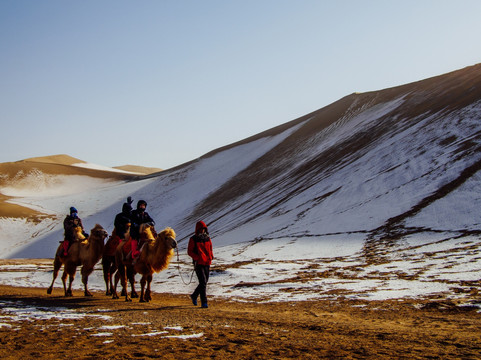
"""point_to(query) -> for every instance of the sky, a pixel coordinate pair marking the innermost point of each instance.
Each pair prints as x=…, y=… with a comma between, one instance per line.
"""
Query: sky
x=160, y=83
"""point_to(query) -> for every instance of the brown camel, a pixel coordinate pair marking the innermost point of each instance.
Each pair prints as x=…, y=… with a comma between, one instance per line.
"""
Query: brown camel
x=155, y=256
x=86, y=253
x=123, y=261
x=109, y=266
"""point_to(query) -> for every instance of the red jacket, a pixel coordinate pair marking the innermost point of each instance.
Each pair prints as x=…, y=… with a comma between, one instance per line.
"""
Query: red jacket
x=200, y=246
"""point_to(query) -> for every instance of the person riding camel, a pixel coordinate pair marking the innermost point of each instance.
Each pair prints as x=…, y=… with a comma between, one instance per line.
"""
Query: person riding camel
x=69, y=224
x=122, y=220
x=139, y=217
x=200, y=250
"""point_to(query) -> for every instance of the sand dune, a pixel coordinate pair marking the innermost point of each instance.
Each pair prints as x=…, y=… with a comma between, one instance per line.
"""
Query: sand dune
x=61, y=159
x=22, y=174
x=138, y=169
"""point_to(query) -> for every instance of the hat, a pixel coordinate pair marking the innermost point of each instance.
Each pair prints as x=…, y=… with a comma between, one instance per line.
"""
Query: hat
x=73, y=210
x=199, y=226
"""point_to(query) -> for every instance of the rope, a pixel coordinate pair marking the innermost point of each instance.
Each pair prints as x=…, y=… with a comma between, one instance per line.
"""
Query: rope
x=178, y=268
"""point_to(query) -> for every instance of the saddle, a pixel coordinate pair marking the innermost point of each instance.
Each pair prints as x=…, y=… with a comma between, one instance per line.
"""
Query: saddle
x=126, y=251
x=111, y=245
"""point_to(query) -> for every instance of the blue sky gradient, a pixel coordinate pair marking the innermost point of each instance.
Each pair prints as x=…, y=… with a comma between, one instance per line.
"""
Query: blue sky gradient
x=159, y=83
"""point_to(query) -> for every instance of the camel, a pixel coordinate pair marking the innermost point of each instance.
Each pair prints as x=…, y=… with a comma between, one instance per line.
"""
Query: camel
x=86, y=253
x=123, y=261
x=155, y=256
x=109, y=266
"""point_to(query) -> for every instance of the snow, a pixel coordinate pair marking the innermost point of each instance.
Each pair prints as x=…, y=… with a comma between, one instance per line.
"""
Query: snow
x=40, y=185
x=185, y=337
x=293, y=270
x=154, y=333
x=16, y=311
x=101, y=167
x=103, y=334
x=13, y=313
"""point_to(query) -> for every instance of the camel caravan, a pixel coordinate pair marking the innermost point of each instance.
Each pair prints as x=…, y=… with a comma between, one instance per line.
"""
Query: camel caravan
x=120, y=260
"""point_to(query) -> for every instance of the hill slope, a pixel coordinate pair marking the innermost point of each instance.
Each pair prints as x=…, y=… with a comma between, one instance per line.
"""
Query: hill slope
x=374, y=164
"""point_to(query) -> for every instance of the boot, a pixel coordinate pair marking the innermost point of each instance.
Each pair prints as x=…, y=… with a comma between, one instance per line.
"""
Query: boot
x=194, y=299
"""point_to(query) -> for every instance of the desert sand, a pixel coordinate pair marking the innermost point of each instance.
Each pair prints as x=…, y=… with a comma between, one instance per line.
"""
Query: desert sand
x=170, y=327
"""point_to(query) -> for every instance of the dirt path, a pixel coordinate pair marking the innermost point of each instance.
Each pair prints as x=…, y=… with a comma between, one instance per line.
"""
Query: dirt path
x=170, y=327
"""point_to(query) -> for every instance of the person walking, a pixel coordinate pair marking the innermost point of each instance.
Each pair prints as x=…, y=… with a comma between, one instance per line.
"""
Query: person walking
x=200, y=250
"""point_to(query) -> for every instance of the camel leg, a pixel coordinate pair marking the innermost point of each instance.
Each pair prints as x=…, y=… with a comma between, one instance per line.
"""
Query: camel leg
x=148, y=295
x=69, y=270
x=85, y=279
x=133, y=293
x=142, y=289
x=56, y=267
x=71, y=277
x=108, y=283
x=106, y=266
x=123, y=282
x=64, y=282
x=114, y=288
x=145, y=288
x=113, y=269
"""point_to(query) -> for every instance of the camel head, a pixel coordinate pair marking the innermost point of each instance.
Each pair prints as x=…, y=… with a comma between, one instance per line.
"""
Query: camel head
x=98, y=233
x=161, y=251
x=168, y=237
x=147, y=232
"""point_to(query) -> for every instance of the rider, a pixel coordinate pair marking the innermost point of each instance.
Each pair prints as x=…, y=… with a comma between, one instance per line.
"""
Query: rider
x=69, y=224
x=139, y=217
x=200, y=250
x=122, y=220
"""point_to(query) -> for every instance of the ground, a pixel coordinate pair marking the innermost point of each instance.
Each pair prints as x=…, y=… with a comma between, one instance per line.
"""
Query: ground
x=170, y=327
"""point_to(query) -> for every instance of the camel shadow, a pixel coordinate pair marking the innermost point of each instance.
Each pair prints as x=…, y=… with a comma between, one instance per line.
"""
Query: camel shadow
x=52, y=302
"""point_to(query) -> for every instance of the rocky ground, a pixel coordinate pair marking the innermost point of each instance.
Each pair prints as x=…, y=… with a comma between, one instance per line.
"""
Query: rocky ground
x=36, y=325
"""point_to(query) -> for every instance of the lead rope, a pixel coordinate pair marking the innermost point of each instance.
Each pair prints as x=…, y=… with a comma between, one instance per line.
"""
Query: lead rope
x=178, y=268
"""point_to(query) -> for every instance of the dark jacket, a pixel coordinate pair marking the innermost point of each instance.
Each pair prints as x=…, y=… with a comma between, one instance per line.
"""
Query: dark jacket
x=122, y=220
x=138, y=218
x=200, y=246
x=69, y=224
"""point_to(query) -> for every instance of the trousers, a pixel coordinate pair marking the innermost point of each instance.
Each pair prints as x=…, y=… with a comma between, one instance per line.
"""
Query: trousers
x=202, y=272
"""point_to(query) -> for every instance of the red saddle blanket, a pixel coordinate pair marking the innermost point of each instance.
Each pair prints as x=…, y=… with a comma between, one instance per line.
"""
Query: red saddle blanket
x=127, y=247
x=111, y=245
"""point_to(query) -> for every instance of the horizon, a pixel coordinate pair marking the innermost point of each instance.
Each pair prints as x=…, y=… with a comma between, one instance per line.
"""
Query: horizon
x=141, y=84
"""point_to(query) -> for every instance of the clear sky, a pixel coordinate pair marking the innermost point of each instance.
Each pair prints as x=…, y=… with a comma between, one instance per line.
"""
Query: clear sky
x=158, y=83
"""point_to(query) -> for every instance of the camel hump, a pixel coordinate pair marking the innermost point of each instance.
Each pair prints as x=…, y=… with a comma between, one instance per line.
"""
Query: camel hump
x=97, y=227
